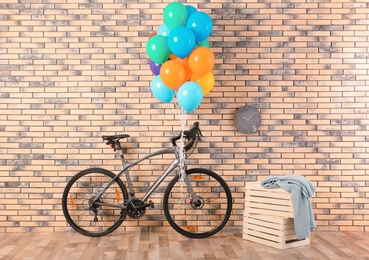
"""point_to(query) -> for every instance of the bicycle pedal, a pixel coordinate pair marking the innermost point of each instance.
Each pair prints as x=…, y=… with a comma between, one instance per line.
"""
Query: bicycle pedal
x=151, y=204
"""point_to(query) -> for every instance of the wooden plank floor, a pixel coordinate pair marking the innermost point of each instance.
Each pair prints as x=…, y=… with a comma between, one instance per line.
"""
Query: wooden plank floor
x=171, y=245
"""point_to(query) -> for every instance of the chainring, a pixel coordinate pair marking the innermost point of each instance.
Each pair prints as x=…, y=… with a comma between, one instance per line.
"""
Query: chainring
x=135, y=213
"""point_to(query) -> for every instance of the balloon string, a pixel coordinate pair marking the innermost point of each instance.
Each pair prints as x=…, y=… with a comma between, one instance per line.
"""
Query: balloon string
x=182, y=153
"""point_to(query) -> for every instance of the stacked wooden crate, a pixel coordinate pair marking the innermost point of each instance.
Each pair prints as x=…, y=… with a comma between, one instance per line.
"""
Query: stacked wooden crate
x=268, y=217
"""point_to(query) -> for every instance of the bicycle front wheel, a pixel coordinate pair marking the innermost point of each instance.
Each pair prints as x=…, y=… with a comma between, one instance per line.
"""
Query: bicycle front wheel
x=92, y=219
x=201, y=218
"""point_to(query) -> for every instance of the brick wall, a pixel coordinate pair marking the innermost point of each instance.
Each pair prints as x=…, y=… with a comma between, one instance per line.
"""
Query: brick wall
x=71, y=70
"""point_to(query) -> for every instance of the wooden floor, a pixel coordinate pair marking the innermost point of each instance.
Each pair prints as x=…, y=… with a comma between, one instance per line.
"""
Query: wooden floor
x=170, y=245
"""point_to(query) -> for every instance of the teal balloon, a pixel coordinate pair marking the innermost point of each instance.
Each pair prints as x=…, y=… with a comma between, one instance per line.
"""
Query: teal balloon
x=189, y=96
x=201, y=25
x=181, y=41
x=157, y=49
x=160, y=91
x=163, y=30
x=175, y=14
x=204, y=43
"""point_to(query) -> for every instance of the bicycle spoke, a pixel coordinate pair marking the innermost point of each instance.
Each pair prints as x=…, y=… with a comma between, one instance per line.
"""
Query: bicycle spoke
x=201, y=218
x=93, y=219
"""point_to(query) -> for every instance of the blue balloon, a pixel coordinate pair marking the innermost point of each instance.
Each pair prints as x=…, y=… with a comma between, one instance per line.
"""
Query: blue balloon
x=190, y=10
x=163, y=30
x=201, y=25
x=160, y=91
x=189, y=96
x=181, y=41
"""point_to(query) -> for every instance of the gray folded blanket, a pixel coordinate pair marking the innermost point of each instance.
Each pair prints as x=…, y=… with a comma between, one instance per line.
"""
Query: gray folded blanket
x=301, y=191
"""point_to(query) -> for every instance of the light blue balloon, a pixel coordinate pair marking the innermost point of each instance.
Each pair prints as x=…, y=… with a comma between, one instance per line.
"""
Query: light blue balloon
x=181, y=41
x=189, y=96
x=160, y=91
x=163, y=30
x=201, y=25
x=190, y=10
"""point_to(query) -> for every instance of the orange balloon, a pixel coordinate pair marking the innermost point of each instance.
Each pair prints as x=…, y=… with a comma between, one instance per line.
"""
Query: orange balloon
x=188, y=72
x=172, y=56
x=206, y=82
x=172, y=74
x=201, y=61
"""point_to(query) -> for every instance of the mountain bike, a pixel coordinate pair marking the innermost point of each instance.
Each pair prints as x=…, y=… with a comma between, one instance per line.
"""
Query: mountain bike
x=196, y=203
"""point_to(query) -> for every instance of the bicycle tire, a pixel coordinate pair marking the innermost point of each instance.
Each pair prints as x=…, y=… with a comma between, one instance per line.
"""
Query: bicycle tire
x=211, y=213
x=75, y=202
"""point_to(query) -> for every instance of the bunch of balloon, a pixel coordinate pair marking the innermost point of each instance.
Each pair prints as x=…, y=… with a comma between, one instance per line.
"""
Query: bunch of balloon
x=180, y=56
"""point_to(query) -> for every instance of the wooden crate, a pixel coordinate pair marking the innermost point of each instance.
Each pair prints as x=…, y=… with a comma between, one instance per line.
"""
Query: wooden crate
x=270, y=202
x=268, y=217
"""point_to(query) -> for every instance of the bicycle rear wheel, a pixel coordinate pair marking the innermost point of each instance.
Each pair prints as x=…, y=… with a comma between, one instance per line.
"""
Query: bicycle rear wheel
x=202, y=218
x=85, y=217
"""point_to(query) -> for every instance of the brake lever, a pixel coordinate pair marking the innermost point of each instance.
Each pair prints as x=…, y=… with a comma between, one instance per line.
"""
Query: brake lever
x=198, y=133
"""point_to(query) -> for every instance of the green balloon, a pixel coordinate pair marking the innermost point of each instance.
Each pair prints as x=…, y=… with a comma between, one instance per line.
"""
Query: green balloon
x=175, y=14
x=204, y=43
x=157, y=49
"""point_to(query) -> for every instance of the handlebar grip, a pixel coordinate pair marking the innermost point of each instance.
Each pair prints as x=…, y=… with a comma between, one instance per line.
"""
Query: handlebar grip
x=191, y=135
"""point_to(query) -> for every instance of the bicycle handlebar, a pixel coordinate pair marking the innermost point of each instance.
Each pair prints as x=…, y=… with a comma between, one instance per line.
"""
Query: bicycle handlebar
x=191, y=135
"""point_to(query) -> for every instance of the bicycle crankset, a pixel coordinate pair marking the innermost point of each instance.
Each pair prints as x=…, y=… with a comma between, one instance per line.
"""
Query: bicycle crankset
x=137, y=208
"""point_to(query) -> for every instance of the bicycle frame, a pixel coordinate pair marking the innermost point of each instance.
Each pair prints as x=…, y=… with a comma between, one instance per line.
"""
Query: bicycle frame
x=127, y=166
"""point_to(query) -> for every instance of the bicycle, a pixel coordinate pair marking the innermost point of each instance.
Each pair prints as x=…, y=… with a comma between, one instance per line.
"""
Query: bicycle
x=196, y=204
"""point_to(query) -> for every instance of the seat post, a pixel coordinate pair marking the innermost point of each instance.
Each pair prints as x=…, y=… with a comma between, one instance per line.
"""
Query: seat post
x=113, y=141
x=121, y=154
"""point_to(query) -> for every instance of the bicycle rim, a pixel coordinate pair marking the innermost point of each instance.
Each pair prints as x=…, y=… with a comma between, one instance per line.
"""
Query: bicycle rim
x=76, y=202
x=203, y=218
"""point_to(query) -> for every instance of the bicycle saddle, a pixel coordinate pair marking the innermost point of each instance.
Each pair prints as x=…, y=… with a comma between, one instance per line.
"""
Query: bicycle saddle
x=114, y=137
